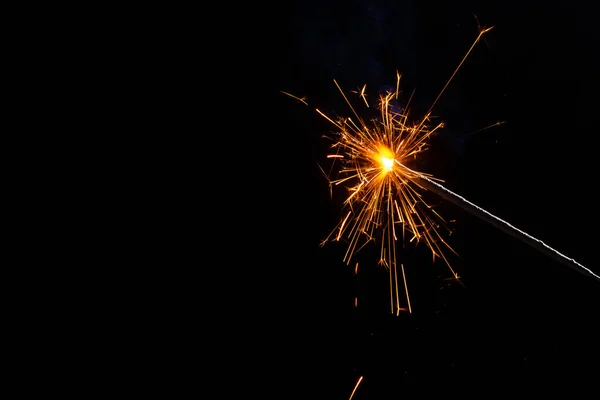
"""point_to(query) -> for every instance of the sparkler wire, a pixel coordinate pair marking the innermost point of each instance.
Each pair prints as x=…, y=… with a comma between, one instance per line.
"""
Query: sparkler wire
x=501, y=224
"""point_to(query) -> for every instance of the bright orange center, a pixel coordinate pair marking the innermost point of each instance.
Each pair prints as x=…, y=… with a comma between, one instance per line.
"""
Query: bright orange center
x=386, y=158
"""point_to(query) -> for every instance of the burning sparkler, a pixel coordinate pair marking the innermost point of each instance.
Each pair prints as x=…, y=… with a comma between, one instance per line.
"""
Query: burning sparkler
x=385, y=201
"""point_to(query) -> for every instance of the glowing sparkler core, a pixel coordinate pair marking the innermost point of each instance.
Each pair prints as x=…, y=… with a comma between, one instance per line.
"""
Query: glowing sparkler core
x=386, y=159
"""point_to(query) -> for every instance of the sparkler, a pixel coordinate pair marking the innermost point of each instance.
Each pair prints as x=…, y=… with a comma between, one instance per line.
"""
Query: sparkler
x=385, y=201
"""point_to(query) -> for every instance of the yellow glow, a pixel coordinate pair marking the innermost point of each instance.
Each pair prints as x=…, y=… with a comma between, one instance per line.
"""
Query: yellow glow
x=386, y=158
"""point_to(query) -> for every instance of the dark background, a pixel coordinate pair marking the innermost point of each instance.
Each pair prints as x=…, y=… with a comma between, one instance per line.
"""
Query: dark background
x=522, y=319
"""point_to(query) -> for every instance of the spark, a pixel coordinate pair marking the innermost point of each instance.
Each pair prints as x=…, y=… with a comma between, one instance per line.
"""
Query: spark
x=356, y=387
x=498, y=123
x=302, y=99
x=363, y=94
x=481, y=33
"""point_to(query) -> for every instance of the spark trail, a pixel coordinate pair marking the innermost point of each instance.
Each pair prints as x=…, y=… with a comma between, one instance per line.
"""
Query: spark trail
x=355, y=387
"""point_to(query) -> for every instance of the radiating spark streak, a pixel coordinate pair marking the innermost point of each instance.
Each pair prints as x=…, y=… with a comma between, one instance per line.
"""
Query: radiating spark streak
x=342, y=226
x=327, y=177
x=398, y=76
x=363, y=95
x=391, y=291
x=397, y=296
x=328, y=119
x=356, y=269
x=408, y=104
x=406, y=288
x=303, y=99
x=487, y=127
x=345, y=98
x=356, y=387
x=481, y=33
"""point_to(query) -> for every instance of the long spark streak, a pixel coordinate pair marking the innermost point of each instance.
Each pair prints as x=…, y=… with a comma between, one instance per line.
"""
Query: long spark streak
x=405, y=287
x=356, y=387
x=481, y=33
x=302, y=99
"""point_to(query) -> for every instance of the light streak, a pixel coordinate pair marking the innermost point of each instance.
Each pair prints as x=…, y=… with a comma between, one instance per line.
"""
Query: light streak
x=498, y=123
x=301, y=99
x=356, y=387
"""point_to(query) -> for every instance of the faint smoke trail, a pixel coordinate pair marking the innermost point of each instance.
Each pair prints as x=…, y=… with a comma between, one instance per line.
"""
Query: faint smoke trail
x=502, y=225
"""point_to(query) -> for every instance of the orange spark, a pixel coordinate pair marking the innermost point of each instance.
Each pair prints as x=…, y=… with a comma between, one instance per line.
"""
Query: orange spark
x=363, y=94
x=498, y=123
x=356, y=387
x=303, y=99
